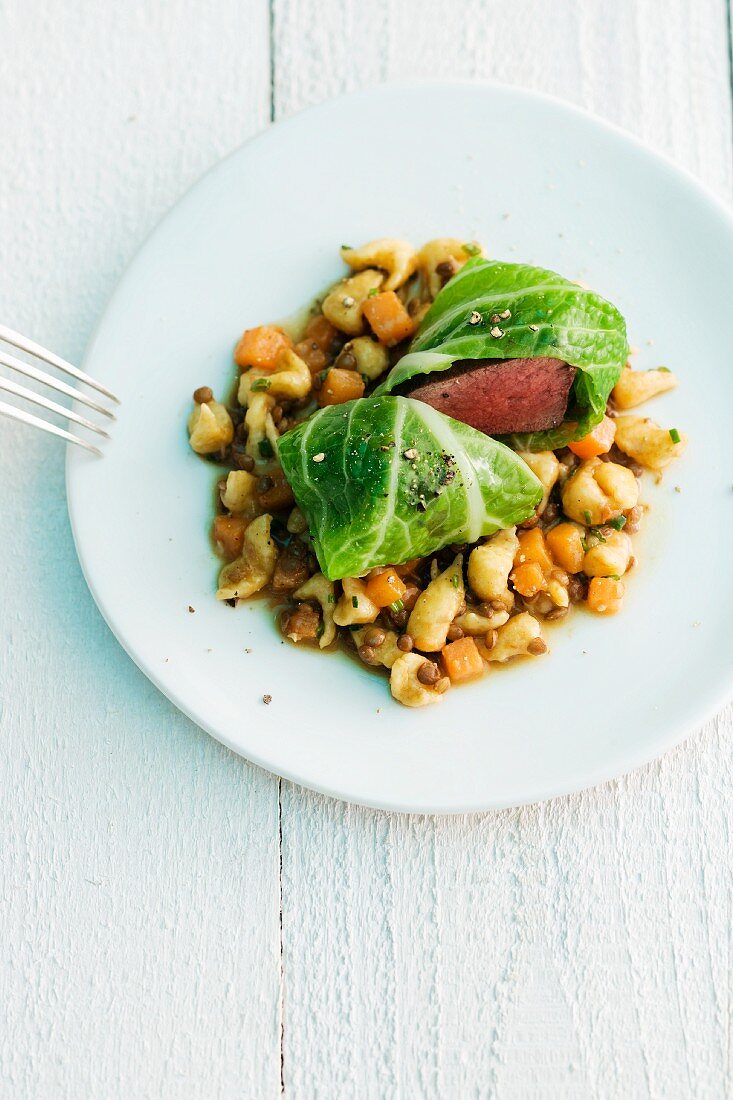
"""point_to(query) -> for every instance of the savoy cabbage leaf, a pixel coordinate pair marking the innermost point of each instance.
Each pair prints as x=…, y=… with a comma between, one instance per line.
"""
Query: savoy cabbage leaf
x=532, y=313
x=385, y=479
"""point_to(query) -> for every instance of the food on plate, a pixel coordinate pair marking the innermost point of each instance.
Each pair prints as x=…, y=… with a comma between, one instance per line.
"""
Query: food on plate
x=386, y=479
x=436, y=465
x=508, y=395
x=567, y=346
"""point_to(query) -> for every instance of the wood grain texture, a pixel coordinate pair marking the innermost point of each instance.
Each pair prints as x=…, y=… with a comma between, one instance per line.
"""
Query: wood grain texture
x=580, y=948
x=139, y=880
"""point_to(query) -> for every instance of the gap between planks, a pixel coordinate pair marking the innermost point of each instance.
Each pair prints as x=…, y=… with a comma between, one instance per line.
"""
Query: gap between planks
x=282, y=954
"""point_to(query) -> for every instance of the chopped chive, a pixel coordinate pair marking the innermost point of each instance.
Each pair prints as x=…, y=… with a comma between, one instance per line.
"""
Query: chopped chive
x=471, y=249
x=615, y=577
x=354, y=601
x=265, y=448
x=319, y=630
x=586, y=517
x=664, y=370
x=617, y=523
x=348, y=247
x=398, y=605
x=373, y=292
x=260, y=384
x=454, y=580
x=331, y=598
x=674, y=435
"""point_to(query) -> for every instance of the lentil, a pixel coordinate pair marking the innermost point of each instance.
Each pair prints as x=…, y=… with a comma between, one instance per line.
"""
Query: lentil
x=399, y=618
x=346, y=360
x=445, y=270
x=537, y=646
x=428, y=673
x=454, y=633
x=578, y=588
x=409, y=596
x=202, y=395
x=405, y=643
x=243, y=461
x=277, y=495
x=374, y=637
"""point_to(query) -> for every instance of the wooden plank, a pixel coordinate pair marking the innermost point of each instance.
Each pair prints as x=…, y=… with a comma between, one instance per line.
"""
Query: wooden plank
x=140, y=867
x=580, y=948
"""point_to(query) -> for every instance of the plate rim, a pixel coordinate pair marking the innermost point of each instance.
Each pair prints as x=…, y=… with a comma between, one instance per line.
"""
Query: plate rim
x=675, y=732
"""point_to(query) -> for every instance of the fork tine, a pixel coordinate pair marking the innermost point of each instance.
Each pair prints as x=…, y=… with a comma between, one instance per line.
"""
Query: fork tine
x=54, y=383
x=36, y=422
x=22, y=342
x=45, y=403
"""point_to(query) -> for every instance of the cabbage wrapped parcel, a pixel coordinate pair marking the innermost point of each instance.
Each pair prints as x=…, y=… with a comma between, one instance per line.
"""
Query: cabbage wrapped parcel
x=386, y=479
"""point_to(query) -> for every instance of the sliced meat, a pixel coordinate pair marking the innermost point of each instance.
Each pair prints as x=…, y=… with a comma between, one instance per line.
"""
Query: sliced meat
x=500, y=396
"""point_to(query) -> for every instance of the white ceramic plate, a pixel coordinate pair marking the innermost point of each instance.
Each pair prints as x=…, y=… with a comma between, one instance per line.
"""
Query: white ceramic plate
x=534, y=180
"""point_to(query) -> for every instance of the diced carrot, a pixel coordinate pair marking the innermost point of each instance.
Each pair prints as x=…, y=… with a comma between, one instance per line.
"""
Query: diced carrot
x=597, y=442
x=228, y=535
x=528, y=579
x=385, y=588
x=532, y=548
x=605, y=595
x=565, y=543
x=260, y=347
x=388, y=318
x=320, y=331
x=462, y=660
x=339, y=386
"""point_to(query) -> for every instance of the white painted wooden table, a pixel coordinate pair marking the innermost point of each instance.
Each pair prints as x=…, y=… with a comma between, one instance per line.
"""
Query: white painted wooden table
x=580, y=948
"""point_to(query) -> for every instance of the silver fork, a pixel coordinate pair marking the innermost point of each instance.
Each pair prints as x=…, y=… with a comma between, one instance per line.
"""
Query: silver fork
x=8, y=336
